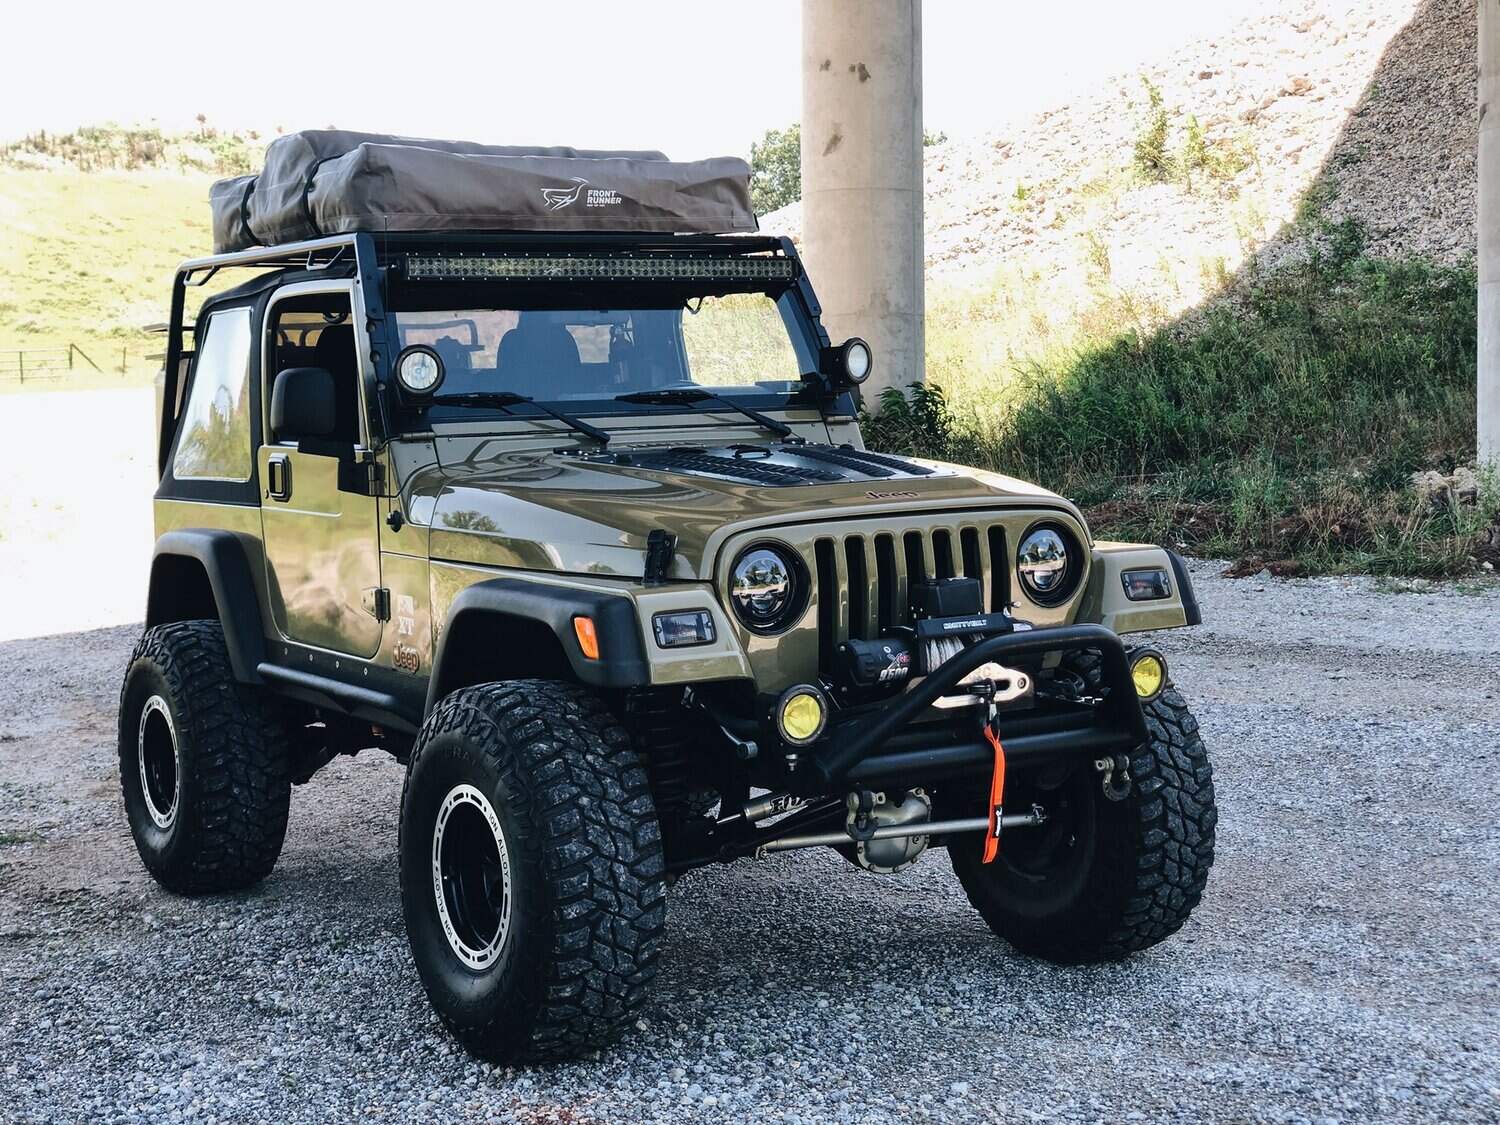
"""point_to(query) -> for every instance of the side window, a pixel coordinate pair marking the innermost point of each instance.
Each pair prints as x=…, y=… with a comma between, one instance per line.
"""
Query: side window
x=317, y=331
x=215, y=441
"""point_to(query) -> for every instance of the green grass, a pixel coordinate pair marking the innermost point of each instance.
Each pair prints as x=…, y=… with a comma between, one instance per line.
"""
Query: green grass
x=87, y=258
x=1279, y=427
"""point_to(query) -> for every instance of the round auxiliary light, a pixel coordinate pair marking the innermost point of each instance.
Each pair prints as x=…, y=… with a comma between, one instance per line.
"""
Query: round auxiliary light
x=419, y=370
x=1046, y=564
x=801, y=714
x=858, y=360
x=764, y=588
x=1148, y=671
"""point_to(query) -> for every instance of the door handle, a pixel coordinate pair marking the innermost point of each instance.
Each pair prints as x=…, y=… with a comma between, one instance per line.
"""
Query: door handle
x=279, y=477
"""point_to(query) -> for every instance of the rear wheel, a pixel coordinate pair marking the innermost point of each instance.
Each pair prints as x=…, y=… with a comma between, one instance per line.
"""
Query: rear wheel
x=203, y=764
x=532, y=877
x=1103, y=878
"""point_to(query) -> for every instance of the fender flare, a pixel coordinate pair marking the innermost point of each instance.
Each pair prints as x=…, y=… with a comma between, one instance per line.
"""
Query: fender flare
x=622, y=656
x=223, y=558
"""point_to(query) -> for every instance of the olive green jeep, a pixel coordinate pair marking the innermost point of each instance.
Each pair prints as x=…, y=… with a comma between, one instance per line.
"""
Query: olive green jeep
x=579, y=527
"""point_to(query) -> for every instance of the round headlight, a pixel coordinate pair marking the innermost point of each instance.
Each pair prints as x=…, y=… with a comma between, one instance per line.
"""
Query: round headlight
x=857, y=360
x=419, y=370
x=764, y=588
x=1047, y=564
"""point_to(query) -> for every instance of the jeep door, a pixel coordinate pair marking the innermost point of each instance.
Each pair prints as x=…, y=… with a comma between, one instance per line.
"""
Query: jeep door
x=319, y=522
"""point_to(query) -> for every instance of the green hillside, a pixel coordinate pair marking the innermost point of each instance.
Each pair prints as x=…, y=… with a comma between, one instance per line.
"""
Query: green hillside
x=87, y=258
x=92, y=224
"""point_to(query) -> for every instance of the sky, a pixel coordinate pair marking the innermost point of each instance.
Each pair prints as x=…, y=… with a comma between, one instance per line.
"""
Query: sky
x=693, y=79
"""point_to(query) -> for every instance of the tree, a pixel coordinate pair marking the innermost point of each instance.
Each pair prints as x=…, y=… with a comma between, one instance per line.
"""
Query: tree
x=776, y=169
x=776, y=166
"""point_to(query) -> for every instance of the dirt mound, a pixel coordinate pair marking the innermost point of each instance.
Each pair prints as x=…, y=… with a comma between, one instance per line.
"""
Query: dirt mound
x=1325, y=107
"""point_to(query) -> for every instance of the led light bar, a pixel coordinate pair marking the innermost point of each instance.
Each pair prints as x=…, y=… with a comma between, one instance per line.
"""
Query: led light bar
x=571, y=267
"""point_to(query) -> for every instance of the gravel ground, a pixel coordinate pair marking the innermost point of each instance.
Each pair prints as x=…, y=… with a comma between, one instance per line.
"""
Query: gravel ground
x=1342, y=967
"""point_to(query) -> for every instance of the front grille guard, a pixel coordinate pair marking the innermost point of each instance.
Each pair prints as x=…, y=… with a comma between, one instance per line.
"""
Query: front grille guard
x=851, y=752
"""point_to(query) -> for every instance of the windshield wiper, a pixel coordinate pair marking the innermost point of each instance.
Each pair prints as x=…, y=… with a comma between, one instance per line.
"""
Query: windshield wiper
x=667, y=395
x=510, y=398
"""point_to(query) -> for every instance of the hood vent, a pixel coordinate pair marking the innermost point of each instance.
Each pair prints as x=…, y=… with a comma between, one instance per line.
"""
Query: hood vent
x=779, y=465
x=755, y=469
x=880, y=465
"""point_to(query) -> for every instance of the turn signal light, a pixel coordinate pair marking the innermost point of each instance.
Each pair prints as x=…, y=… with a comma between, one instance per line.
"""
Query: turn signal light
x=1148, y=584
x=684, y=628
x=588, y=636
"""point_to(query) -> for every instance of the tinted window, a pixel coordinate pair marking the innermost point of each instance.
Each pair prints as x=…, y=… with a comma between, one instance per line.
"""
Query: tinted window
x=215, y=441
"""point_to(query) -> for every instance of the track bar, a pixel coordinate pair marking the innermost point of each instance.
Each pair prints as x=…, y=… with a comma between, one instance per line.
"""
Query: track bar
x=895, y=831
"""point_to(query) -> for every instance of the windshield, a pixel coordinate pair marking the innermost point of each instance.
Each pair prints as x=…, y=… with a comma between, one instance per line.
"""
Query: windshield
x=744, y=345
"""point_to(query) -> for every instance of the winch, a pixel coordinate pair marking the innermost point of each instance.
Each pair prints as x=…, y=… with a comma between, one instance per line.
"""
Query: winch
x=947, y=616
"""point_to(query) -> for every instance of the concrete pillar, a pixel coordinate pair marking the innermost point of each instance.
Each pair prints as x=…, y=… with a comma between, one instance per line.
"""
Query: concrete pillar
x=1489, y=231
x=862, y=177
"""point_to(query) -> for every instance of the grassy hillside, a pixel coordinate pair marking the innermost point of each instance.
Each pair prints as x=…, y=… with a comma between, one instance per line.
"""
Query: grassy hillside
x=1280, y=427
x=87, y=258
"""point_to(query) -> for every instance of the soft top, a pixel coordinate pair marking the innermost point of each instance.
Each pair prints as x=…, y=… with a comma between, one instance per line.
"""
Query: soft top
x=323, y=182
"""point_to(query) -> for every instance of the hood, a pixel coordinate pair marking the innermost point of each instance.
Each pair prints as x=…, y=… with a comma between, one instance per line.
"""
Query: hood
x=591, y=512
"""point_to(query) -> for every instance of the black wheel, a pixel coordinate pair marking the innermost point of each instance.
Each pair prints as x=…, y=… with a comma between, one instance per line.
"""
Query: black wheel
x=1103, y=878
x=531, y=870
x=203, y=765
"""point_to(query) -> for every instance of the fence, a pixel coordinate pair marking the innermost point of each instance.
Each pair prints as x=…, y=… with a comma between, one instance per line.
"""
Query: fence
x=26, y=365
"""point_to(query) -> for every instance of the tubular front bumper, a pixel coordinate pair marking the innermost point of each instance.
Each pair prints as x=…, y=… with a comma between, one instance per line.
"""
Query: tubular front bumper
x=868, y=749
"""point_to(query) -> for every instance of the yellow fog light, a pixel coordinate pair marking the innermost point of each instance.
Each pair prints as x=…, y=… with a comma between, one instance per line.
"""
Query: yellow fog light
x=1148, y=670
x=801, y=714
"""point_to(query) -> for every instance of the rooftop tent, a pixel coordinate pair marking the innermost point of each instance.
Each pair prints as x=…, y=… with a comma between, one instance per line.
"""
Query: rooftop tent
x=334, y=182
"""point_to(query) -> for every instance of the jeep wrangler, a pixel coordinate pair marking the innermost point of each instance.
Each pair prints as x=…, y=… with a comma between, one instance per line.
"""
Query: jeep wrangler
x=580, y=528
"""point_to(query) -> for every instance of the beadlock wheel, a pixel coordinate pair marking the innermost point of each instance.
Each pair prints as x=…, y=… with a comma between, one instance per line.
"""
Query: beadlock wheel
x=203, y=763
x=159, y=761
x=471, y=877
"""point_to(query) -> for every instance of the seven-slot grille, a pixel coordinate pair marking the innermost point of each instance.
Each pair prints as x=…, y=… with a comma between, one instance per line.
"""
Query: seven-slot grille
x=862, y=579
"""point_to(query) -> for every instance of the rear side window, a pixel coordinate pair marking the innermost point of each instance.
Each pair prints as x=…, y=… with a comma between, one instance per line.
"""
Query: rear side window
x=215, y=441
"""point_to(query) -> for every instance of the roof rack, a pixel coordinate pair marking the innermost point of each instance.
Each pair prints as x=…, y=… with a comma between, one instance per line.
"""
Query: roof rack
x=314, y=254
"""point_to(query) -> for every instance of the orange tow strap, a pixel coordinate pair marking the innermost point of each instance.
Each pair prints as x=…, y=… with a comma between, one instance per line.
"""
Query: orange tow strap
x=997, y=794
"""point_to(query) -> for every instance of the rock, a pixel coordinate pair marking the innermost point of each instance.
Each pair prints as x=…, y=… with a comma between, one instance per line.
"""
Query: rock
x=1440, y=490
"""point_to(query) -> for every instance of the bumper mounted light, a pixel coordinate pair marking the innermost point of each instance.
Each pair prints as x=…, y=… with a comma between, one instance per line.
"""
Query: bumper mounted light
x=1148, y=672
x=801, y=714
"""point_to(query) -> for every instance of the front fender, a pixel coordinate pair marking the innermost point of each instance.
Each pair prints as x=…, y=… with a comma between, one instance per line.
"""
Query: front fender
x=622, y=659
x=1104, y=602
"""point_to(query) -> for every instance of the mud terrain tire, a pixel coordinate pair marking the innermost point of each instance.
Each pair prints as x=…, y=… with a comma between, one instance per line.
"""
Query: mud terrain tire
x=208, y=808
x=1134, y=869
x=547, y=950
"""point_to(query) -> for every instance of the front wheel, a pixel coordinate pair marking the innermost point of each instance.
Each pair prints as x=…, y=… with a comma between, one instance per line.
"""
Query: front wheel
x=1103, y=878
x=532, y=877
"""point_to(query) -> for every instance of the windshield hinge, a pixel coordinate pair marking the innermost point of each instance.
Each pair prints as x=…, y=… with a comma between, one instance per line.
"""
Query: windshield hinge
x=661, y=547
x=372, y=472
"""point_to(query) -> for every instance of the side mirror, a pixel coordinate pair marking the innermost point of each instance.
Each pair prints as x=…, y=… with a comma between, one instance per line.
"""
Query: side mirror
x=848, y=364
x=303, y=404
